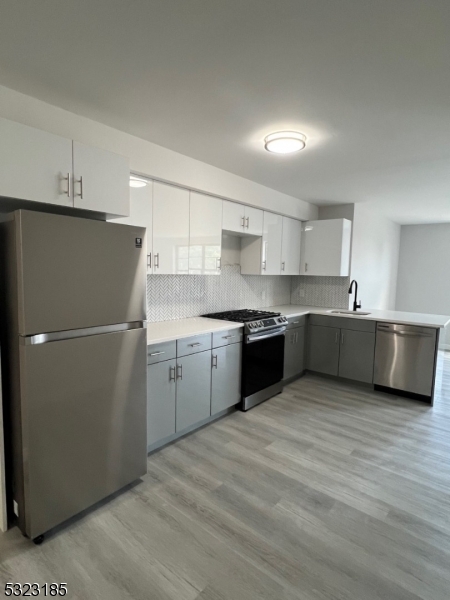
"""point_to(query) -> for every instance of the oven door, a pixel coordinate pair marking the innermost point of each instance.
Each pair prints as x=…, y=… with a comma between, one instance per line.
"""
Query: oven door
x=263, y=360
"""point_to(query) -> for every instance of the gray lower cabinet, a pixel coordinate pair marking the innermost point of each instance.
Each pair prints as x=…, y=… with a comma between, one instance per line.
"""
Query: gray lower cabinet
x=294, y=352
x=226, y=377
x=357, y=355
x=193, y=394
x=161, y=394
x=323, y=349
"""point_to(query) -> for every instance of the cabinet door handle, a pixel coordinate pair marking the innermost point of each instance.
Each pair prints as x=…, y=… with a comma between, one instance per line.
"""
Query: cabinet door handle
x=306, y=267
x=80, y=181
x=263, y=265
x=149, y=260
x=156, y=262
x=179, y=371
x=248, y=222
x=194, y=345
x=296, y=338
x=156, y=353
x=68, y=179
x=214, y=361
x=336, y=338
x=282, y=265
x=218, y=263
x=342, y=337
x=172, y=374
x=243, y=222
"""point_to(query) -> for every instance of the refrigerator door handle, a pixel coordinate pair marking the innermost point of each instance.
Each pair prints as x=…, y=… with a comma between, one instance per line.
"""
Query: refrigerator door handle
x=57, y=336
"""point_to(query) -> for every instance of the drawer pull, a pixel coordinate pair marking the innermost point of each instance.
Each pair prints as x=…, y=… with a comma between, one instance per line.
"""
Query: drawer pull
x=194, y=345
x=295, y=322
x=156, y=353
x=228, y=337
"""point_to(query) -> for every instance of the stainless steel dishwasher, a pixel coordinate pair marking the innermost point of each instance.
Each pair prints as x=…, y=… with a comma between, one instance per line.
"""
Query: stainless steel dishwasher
x=405, y=358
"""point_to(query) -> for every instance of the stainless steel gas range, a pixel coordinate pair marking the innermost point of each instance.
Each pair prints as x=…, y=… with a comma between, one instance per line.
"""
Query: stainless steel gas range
x=262, y=353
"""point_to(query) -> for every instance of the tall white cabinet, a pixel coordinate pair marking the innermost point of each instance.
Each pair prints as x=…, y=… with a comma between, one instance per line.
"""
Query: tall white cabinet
x=291, y=246
x=271, y=244
x=205, y=234
x=170, y=229
x=326, y=247
x=141, y=215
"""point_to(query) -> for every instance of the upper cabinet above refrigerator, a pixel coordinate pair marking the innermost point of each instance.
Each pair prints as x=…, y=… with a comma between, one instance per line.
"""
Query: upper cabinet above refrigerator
x=326, y=247
x=36, y=166
x=101, y=180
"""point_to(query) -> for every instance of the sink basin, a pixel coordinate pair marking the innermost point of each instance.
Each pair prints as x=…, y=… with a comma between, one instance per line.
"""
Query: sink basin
x=348, y=312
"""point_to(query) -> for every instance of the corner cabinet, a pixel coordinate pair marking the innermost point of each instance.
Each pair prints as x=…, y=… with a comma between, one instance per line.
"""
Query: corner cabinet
x=205, y=235
x=36, y=166
x=262, y=255
x=326, y=247
x=341, y=346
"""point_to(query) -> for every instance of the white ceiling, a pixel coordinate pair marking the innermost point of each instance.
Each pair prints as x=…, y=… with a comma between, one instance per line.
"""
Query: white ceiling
x=367, y=81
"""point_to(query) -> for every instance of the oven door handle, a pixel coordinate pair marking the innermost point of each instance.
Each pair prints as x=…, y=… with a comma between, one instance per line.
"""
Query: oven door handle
x=251, y=339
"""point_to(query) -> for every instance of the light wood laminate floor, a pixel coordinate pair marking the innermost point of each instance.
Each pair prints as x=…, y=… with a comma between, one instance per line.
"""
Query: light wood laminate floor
x=328, y=491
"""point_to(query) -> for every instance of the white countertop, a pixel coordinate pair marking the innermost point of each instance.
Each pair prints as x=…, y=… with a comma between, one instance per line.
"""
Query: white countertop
x=387, y=316
x=165, y=331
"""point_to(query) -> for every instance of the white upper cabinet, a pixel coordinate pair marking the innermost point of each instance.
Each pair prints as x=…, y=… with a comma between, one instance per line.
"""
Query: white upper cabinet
x=254, y=218
x=100, y=180
x=35, y=165
x=170, y=229
x=326, y=247
x=41, y=167
x=290, y=246
x=205, y=235
x=141, y=215
x=262, y=255
x=271, y=244
x=241, y=219
x=233, y=216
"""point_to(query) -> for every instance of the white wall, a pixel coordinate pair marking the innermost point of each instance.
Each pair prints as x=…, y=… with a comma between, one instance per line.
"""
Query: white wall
x=337, y=211
x=424, y=270
x=374, y=257
x=149, y=159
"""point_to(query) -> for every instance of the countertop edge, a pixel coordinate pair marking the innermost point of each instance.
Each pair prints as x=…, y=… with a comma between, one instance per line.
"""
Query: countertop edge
x=221, y=326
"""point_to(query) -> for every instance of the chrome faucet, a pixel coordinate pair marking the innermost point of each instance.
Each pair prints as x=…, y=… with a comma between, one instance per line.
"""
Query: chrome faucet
x=355, y=301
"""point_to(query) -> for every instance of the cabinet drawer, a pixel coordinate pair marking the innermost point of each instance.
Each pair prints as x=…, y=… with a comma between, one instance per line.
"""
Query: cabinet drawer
x=159, y=352
x=194, y=344
x=342, y=322
x=224, y=338
x=296, y=322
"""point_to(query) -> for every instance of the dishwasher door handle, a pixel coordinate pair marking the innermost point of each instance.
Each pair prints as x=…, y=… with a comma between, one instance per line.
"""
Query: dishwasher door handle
x=406, y=333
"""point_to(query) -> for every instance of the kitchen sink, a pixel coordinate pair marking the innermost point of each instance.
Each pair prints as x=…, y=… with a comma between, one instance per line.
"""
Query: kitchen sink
x=348, y=312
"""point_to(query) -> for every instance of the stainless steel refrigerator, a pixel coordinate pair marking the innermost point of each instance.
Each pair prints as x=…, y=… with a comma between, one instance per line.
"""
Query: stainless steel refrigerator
x=75, y=373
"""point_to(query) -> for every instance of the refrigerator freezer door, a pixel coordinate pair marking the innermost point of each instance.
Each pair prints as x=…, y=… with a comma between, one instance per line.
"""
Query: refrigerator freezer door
x=83, y=424
x=76, y=273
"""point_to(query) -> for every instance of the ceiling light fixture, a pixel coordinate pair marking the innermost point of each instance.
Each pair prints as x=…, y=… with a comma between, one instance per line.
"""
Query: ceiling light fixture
x=135, y=182
x=284, y=142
